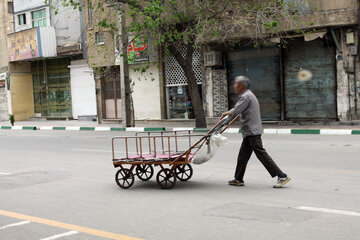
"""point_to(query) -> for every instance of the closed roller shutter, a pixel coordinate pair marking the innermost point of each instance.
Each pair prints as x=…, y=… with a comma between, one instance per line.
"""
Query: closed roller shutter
x=315, y=98
x=262, y=67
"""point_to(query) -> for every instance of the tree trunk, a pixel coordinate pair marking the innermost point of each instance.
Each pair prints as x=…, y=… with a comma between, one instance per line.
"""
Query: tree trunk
x=185, y=63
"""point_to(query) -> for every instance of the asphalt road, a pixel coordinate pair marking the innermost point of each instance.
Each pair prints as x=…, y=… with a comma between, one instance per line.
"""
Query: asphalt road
x=60, y=185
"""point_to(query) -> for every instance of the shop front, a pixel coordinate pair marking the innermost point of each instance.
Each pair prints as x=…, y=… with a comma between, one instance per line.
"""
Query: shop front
x=262, y=66
x=179, y=104
x=51, y=86
x=313, y=97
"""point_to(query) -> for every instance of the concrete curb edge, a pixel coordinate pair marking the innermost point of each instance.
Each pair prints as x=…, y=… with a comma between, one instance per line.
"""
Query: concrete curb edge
x=200, y=130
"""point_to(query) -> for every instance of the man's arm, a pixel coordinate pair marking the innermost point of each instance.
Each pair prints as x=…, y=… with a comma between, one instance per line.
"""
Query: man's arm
x=241, y=104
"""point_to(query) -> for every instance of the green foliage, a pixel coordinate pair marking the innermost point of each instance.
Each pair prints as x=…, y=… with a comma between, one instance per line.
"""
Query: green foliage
x=12, y=119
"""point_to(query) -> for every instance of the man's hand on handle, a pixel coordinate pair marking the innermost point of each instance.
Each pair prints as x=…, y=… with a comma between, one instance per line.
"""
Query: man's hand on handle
x=228, y=113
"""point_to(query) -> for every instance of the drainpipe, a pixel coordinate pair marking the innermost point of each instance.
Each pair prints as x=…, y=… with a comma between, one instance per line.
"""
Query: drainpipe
x=335, y=39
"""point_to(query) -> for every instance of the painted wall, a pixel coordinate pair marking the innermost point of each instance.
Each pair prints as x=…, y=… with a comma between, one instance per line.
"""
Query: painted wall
x=22, y=100
x=67, y=24
x=83, y=95
x=146, y=92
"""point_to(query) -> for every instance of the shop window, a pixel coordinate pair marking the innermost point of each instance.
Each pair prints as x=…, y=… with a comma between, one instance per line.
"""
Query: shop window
x=22, y=19
x=180, y=104
x=39, y=18
x=100, y=39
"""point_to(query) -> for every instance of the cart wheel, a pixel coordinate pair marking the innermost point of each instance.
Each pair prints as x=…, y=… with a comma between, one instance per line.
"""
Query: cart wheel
x=144, y=171
x=166, y=178
x=124, y=178
x=183, y=172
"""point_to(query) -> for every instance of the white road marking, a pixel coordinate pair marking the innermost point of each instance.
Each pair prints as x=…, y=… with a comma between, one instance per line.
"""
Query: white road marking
x=326, y=210
x=4, y=173
x=60, y=235
x=102, y=128
x=284, y=131
x=46, y=128
x=135, y=129
x=72, y=128
x=335, y=131
x=14, y=225
x=270, y=131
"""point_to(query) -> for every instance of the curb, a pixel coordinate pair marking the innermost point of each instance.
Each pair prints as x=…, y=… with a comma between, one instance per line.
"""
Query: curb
x=199, y=130
x=18, y=128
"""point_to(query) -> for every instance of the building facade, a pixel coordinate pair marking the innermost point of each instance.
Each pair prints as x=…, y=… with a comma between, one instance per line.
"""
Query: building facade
x=6, y=16
x=328, y=54
x=103, y=56
x=49, y=75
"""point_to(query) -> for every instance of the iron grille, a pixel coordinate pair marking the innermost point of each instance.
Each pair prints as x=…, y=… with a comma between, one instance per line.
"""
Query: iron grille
x=175, y=75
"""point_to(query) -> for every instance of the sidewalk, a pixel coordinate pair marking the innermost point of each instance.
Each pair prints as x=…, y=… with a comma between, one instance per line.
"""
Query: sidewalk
x=269, y=128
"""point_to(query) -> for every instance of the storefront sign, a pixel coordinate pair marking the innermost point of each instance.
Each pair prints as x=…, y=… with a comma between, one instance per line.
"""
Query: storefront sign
x=138, y=51
x=32, y=43
x=23, y=45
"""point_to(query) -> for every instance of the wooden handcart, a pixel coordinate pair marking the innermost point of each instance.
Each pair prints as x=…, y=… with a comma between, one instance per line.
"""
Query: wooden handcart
x=147, y=149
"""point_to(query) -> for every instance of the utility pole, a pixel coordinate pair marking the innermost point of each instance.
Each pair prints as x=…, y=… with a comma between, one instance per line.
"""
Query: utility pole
x=124, y=73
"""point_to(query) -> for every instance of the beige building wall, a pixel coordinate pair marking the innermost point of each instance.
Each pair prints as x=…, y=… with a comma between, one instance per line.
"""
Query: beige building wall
x=6, y=26
x=100, y=55
x=22, y=99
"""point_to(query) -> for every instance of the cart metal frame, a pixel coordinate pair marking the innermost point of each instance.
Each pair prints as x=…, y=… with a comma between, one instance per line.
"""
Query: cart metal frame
x=159, y=152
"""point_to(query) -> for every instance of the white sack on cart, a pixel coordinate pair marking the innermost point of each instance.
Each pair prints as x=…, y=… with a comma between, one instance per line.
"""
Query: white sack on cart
x=209, y=148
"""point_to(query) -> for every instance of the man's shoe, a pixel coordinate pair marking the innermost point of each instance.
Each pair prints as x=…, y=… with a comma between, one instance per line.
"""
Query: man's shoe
x=281, y=182
x=236, y=183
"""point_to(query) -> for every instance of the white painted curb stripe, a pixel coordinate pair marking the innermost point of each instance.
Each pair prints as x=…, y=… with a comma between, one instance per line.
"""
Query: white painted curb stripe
x=60, y=235
x=232, y=130
x=14, y=225
x=135, y=129
x=16, y=127
x=72, y=128
x=335, y=131
x=327, y=210
x=46, y=128
x=183, y=129
x=270, y=131
x=102, y=128
x=284, y=131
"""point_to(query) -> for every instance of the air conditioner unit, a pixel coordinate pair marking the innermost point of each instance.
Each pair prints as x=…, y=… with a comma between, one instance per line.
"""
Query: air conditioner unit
x=212, y=59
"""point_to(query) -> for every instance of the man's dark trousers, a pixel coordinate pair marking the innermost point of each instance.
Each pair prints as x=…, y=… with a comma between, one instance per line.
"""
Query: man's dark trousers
x=254, y=144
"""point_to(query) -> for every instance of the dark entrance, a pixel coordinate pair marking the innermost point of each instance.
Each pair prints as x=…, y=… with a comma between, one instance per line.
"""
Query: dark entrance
x=262, y=66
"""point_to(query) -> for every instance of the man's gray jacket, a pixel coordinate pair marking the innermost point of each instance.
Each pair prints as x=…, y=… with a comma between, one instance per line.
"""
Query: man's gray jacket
x=248, y=108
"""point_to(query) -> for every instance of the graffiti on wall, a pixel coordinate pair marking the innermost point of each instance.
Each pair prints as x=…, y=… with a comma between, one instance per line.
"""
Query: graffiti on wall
x=23, y=45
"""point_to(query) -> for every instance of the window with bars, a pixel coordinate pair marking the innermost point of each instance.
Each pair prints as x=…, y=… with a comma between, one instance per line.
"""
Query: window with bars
x=39, y=18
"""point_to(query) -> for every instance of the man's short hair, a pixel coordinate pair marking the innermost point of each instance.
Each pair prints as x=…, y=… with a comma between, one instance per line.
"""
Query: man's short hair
x=244, y=80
